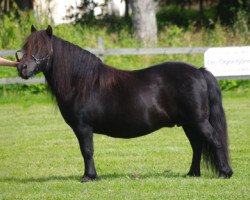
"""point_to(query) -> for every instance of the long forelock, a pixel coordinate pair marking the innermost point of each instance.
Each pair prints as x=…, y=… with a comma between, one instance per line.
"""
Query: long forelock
x=37, y=41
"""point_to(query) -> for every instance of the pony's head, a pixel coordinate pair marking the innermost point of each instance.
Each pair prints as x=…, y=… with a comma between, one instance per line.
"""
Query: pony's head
x=36, y=53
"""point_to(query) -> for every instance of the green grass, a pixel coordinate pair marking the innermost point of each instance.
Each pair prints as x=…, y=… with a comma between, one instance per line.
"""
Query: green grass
x=40, y=157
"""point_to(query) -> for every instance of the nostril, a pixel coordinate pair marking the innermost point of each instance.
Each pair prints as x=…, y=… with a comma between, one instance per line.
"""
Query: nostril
x=24, y=66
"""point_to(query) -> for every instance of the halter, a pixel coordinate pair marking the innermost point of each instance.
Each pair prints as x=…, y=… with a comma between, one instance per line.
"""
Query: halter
x=38, y=61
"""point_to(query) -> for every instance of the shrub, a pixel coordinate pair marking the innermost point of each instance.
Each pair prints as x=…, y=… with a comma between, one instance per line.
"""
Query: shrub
x=177, y=29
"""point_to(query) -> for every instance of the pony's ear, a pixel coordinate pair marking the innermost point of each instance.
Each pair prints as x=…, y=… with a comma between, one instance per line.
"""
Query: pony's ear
x=33, y=29
x=49, y=30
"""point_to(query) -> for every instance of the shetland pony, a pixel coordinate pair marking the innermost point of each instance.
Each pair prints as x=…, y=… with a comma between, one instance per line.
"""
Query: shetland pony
x=96, y=98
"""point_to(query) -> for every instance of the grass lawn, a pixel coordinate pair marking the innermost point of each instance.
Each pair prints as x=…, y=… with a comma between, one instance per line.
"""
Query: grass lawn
x=40, y=158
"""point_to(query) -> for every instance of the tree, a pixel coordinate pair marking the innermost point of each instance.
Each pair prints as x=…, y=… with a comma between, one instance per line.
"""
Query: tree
x=144, y=21
x=228, y=9
x=126, y=8
x=7, y=5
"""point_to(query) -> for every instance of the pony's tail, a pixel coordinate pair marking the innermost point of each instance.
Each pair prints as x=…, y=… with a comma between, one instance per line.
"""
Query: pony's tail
x=218, y=121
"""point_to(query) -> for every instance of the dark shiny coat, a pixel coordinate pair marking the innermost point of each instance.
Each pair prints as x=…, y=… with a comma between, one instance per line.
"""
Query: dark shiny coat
x=96, y=98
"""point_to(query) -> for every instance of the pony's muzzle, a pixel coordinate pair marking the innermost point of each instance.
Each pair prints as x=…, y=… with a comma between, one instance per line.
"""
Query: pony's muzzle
x=22, y=70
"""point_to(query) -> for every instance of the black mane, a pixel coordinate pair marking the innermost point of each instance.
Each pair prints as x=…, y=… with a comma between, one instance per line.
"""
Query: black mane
x=73, y=68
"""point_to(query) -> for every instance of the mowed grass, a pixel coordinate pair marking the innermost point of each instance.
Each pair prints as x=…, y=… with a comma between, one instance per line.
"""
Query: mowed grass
x=40, y=158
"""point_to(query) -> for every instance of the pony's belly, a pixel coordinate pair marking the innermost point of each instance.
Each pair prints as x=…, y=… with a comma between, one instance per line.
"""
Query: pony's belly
x=126, y=130
x=124, y=133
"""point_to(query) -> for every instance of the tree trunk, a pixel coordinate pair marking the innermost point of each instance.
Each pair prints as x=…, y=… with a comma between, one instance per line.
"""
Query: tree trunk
x=25, y=4
x=144, y=21
x=126, y=9
x=201, y=20
x=6, y=6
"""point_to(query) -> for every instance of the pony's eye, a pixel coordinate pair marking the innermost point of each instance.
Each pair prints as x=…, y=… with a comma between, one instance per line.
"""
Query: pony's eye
x=19, y=55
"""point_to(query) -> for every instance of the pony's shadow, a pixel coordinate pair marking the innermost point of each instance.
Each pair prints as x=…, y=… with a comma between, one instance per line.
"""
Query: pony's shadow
x=131, y=176
x=135, y=176
x=39, y=180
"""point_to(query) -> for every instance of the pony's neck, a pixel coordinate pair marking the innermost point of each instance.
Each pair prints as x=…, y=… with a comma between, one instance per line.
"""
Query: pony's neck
x=73, y=69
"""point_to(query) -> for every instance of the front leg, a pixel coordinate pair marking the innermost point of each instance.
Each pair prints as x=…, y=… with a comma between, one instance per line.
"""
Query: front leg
x=84, y=135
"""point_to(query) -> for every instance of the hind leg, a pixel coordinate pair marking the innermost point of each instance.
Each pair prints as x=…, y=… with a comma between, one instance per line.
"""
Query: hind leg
x=210, y=135
x=196, y=144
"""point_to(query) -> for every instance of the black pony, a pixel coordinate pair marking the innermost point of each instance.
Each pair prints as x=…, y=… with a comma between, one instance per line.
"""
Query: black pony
x=96, y=98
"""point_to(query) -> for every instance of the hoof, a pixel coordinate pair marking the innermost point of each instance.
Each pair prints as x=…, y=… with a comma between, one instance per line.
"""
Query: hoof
x=226, y=174
x=88, y=179
x=194, y=174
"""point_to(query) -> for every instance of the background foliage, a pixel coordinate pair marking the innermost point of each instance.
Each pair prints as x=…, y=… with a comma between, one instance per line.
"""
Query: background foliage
x=178, y=27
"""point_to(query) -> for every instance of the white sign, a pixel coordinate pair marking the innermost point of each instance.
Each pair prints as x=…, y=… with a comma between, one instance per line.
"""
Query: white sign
x=228, y=61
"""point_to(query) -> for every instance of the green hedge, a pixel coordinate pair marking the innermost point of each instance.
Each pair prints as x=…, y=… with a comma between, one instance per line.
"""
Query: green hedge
x=117, y=33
